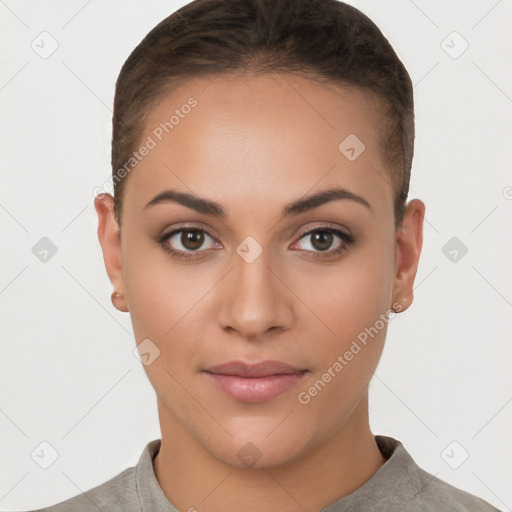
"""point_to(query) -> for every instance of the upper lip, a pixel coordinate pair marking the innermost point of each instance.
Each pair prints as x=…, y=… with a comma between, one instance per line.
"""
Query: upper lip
x=262, y=369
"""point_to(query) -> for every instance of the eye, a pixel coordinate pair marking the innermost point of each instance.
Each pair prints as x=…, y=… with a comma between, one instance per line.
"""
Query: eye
x=324, y=239
x=191, y=241
x=187, y=242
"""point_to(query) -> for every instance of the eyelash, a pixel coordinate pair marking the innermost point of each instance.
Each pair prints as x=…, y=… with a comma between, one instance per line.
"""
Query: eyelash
x=347, y=241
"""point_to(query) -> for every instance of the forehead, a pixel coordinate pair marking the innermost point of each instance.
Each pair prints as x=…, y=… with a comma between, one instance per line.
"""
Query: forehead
x=273, y=136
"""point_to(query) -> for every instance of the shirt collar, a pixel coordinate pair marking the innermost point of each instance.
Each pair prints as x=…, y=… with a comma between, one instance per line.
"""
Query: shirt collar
x=150, y=493
x=391, y=487
x=396, y=482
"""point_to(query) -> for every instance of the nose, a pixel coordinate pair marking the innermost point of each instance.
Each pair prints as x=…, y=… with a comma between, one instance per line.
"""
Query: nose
x=254, y=299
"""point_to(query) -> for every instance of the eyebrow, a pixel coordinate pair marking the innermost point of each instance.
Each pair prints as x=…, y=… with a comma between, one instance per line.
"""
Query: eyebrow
x=302, y=205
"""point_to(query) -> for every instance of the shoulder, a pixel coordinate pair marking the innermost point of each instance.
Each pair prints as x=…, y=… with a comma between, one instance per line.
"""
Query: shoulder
x=117, y=494
x=436, y=494
x=123, y=493
x=416, y=489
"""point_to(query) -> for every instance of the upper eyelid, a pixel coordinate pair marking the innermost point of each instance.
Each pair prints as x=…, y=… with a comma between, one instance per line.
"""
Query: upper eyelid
x=327, y=226
x=173, y=231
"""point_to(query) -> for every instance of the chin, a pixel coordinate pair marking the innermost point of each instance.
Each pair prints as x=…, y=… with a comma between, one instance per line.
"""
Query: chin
x=261, y=452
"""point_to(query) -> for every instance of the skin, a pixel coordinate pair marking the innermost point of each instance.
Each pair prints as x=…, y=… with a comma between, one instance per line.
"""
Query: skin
x=253, y=145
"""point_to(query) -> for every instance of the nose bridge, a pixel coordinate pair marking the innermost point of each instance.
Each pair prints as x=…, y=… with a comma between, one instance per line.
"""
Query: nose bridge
x=256, y=300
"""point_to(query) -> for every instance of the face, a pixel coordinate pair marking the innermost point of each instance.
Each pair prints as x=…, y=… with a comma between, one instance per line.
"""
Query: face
x=246, y=257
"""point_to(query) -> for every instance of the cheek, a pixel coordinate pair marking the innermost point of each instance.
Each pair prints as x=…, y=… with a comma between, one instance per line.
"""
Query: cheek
x=164, y=300
x=160, y=293
x=350, y=296
x=355, y=306
x=167, y=303
x=353, y=301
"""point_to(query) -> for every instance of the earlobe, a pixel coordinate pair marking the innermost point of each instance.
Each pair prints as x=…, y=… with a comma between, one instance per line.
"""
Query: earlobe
x=109, y=237
x=409, y=241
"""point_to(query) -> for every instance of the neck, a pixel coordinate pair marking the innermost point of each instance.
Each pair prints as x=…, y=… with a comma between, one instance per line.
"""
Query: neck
x=193, y=479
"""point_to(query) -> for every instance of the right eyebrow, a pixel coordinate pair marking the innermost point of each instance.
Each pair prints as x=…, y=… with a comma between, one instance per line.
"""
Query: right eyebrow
x=190, y=201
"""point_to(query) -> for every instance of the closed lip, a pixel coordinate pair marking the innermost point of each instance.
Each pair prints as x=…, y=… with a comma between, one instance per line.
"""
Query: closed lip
x=255, y=370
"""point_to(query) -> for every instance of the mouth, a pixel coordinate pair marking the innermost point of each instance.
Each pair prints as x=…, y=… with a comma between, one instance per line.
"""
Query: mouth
x=255, y=383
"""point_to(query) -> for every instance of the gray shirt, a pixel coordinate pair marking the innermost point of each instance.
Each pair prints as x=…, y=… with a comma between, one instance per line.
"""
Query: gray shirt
x=399, y=485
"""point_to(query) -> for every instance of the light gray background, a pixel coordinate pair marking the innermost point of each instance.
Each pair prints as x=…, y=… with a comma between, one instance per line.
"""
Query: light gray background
x=67, y=372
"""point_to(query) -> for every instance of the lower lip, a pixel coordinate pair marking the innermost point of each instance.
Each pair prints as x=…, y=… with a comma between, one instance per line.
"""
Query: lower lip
x=255, y=389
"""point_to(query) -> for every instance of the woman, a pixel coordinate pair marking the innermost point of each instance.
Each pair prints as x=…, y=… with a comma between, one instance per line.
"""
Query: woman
x=261, y=239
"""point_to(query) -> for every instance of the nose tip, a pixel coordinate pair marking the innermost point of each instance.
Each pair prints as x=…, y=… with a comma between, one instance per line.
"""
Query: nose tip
x=253, y=301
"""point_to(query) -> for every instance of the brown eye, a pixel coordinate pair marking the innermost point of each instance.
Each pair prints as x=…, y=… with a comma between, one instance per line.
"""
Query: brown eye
x=324, y=242
x=192, y=239
x=321, y=240
x=187, y=242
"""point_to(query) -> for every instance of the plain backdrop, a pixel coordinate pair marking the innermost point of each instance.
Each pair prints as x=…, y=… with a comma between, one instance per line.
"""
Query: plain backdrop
x=68, y=376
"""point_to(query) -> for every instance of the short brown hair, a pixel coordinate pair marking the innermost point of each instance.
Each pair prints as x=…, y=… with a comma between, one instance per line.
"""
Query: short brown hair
x=318, y=39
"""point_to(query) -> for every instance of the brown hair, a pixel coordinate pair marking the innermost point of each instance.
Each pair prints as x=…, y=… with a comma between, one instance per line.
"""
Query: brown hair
x=318, y=39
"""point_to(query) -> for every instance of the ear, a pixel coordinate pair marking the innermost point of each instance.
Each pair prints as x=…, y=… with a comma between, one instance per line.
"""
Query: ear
x=409, y=241
x=109, y=236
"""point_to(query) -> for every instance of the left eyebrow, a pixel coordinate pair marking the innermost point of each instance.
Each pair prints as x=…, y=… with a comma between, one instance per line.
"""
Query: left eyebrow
x=302, y=205
x=322, y=197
